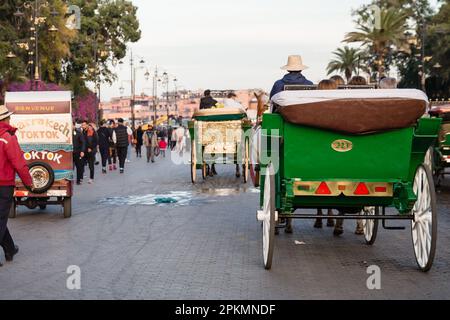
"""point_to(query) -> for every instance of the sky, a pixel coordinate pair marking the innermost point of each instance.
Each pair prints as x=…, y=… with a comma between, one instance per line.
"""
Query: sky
x=233, y=44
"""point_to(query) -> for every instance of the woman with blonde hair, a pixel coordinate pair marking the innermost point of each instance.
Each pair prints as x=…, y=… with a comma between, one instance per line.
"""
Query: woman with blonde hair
x=338, y=79
x=327, y=85
x=358, y=81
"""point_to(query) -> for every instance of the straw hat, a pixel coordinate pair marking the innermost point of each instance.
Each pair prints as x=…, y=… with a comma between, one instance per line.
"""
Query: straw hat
x=4, y=113
x=295, y=63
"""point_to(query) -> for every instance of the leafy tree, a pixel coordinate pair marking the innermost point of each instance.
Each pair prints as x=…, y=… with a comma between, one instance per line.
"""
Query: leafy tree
x=347, y=61
x=438, y=45
x=68, y=57
x=106, y=28
x=381, y=40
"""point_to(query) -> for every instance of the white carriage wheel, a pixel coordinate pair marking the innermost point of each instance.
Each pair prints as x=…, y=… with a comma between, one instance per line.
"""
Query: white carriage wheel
x=246, y=160
x=269, y=220
x=424, y=225
x=193, y=161
x=370, y=225
x=429, y=159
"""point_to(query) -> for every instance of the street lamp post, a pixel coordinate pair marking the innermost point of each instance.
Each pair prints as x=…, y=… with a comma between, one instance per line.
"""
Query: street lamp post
x=166, y=83
x=133, y=69
x=36, y=22
x=155, y=93
x=175, y=80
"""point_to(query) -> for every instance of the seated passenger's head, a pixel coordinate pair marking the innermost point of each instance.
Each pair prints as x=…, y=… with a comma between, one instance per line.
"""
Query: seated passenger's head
x=358, y=81
x=388, y=83
x=295, y=64
x=338, y=79
x=231, y=95
x=207, y=93
x=327, y=85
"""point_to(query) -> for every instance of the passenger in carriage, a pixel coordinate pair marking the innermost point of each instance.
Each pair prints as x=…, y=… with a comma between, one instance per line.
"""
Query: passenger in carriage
x=357, y=81
x=388, y=83
x=207, y=101
x=338, y=79
x=327, y=85
x=295, y=67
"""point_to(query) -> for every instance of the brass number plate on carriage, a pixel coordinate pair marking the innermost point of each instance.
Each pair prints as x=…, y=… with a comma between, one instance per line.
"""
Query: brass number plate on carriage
x=342, y=145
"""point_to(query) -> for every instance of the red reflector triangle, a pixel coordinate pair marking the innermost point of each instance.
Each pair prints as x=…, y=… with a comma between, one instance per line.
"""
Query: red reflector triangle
x=362, y=189
x=323, y=189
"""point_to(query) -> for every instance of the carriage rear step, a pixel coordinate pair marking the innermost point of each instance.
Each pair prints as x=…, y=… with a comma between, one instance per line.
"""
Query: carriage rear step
x=346, y=217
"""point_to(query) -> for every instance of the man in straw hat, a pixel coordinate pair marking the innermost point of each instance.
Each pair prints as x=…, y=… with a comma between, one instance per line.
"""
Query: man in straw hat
x=295, y=67
x=11, y=162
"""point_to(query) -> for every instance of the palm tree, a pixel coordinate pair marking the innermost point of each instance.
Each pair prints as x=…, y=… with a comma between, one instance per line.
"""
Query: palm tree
x=346, y=61
x=380, y=41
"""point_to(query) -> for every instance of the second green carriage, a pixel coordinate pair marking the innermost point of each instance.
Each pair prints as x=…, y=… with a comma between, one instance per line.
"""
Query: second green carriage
x=219, y=135
x=439, y=155
x=358, y=153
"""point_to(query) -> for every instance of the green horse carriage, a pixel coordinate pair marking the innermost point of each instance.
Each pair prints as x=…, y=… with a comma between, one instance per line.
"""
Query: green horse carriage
x=219, y=136
x=439, y=156
x=356, y=151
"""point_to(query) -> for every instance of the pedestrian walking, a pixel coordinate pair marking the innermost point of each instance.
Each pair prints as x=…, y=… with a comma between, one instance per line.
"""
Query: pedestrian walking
x=104, y=138
x=112, y=161
x=91, y=151
x=130, y=142
x=150, y=142
x=121, y=140
x=79, y=149
x=163, y=147
x=173, y=139
x=11, y=162
x=139, y=136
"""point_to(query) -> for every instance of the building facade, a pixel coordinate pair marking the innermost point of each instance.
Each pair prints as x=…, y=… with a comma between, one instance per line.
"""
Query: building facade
x=181, y=104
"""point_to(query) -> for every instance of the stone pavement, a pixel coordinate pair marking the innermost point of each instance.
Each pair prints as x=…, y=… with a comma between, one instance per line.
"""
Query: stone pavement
x=206, y=246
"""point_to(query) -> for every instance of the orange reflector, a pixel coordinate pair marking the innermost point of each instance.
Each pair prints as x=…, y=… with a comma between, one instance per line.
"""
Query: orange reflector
x=323, y=189
x=381, y=189
x=342, y=188
x=21, y=193
x=362, y=189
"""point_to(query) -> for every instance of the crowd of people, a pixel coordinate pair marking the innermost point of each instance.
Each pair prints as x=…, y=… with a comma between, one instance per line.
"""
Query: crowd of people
x=114, y=141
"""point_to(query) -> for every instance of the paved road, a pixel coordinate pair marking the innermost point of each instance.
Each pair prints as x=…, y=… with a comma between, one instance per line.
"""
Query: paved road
x=205, y=246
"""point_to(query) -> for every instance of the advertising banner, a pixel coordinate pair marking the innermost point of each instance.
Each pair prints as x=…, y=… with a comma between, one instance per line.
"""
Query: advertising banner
x=43, y=129
x=56, y=107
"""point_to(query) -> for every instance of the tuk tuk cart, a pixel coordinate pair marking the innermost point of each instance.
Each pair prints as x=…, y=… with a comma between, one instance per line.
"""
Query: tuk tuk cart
x=355, y=151
x=44, y=122
x=219, y=136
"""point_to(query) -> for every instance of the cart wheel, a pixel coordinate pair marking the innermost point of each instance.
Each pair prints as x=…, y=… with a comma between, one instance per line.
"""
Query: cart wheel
x=267, y=216
x=245, y=170
x=67, y=206
x=13, y=210
x=193, y=162
x=204, y=171
x=370, y=225
x=429, y=159
x=43, y=206
x=157, y=151
x=424, y=225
